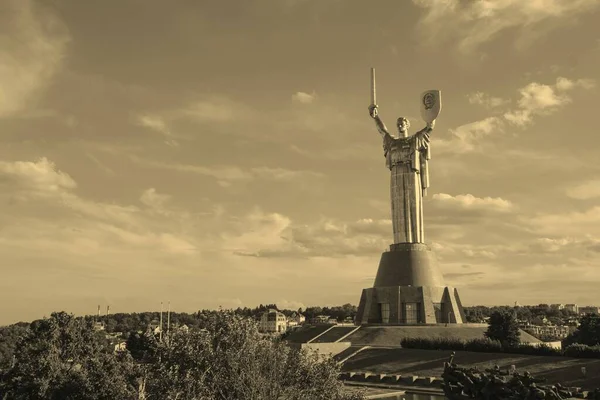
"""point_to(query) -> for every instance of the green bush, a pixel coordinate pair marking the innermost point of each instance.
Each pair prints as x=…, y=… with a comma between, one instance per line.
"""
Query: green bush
x=539, y=350
x=483, y=345
x=433, y=344
x=577, y=350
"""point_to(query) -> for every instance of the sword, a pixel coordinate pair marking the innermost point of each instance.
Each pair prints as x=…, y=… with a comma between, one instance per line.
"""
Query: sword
x=373, y=92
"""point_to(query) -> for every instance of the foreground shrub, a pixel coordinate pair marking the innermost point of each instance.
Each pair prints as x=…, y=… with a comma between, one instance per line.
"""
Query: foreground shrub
x=63, y=358
x=486, y=345
x=538, y=350
x=483, y=345
x=433, y=343
x=231, y=360
x=577, y=350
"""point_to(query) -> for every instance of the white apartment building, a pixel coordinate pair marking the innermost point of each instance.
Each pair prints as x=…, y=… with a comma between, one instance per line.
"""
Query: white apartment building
x=272, y=321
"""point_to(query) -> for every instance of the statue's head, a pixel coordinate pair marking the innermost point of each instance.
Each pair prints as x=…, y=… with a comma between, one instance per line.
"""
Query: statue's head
x=403, y=126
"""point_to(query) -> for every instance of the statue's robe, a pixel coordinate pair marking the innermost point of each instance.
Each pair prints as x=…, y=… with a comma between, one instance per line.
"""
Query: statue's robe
x=407, y=158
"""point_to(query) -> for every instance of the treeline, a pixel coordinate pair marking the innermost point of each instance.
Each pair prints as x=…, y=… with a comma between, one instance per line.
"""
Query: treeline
x=9, y=337
x=533, y=314
x=485, y=345
x=65, y=357
x=340, y=313
x=128, y=323
x=135, y=322
x=503, y=336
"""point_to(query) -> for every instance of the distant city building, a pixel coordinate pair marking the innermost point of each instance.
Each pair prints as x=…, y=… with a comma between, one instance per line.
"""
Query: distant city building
x=320, y=319
x=99, y=326
x=572, y=308
x=546, y=332
x=589, y=310
x=273, y=321
x=296, y=319
x=540, y=320
x=557, y=306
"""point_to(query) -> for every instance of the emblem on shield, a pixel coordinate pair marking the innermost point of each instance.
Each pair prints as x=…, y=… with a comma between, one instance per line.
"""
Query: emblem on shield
x=431, y=105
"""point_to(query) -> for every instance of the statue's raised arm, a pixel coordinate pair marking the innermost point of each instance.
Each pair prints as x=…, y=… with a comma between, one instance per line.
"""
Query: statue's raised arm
x=374, y=113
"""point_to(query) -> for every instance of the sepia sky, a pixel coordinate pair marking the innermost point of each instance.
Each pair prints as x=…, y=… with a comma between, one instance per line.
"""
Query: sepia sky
x=214, y=153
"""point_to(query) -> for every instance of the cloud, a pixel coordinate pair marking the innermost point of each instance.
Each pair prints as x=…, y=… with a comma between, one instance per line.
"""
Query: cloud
x=210, y=110
x=99, y=163
x=157, y=124
x=486, y=100
x=229, y=303
x=213, y=109
x=539, y=99
x=535, y=99
x=573, y=223
x=41, y=186
x=553, y=245
x=289, y=304
x=33, y=46
x=452, y=220
x=38, y=179
x=470, y=202
x=585, y=191
x=475, y=23
x=563, y=84
x=466, y=137
x=303, y=97
x=154, y=200
x=227, y=175
x=276, y=236
x=460, y=275
x=115, y=243
x=452, y=250
x=203, y=110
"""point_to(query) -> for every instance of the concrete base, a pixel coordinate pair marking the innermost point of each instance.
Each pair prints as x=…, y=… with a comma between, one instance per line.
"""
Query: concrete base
x=409, y=290
x=409, y=305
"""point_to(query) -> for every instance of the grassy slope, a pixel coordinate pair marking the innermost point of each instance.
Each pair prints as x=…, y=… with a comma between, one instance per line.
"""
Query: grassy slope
x=335, y=334
x=306, y=333
x=392, y=335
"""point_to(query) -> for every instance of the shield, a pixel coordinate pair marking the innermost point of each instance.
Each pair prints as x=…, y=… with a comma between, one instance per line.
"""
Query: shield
x=431, y=105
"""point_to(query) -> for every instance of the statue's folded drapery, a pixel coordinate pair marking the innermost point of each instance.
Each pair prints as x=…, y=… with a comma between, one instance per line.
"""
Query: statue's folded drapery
x=407, y=158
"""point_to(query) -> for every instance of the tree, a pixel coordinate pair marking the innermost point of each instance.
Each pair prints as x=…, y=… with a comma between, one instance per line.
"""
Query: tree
x=230, y=360
x=62, y=357
x=142, y=346
x=587, y=333
x=9, y=336
x=504, y=328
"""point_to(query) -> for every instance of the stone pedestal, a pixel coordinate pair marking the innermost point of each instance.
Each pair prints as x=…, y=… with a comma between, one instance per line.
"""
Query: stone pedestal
x=408, y=290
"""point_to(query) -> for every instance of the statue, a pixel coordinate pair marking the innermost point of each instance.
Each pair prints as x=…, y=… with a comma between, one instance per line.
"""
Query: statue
x=409, y=269
x=462, y=384
x=407, y=158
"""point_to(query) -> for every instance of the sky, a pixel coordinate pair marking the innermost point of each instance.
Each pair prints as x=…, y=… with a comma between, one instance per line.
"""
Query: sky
x=221, y=153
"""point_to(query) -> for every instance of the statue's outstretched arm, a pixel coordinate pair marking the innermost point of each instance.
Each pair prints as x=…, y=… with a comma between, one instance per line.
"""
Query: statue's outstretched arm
x=373, y=111
x=427, y=130
x=381, y=126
